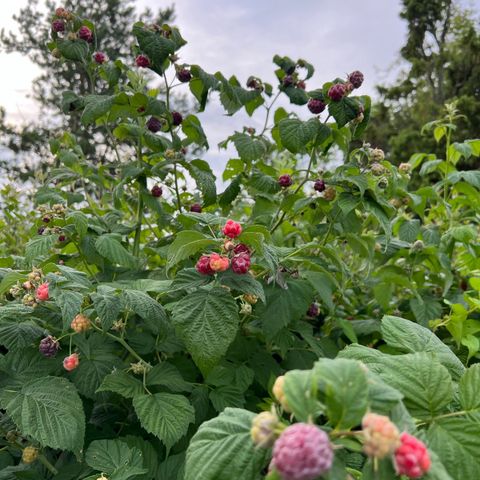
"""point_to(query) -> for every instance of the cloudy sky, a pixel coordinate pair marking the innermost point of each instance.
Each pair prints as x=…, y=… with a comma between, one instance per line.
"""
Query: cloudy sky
x=241, y=37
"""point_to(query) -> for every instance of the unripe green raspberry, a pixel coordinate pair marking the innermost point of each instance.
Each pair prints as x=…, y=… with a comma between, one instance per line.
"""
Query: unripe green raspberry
x=377, y=155
x=405, y=167
x=279, y=394
x=377, y=169
x=263, y=429
x=29, y=454
x=381, y=436
x=418, y=246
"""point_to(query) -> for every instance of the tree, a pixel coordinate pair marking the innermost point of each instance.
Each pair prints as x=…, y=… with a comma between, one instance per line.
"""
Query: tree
x=442, y=65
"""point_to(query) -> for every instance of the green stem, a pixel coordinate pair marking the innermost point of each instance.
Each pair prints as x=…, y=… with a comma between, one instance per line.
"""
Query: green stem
x=43, y=460
x=177, y=191
x=141, y=184
x=268, y=113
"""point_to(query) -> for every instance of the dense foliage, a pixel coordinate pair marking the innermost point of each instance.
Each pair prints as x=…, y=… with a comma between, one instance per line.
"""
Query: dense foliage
x=150, y=317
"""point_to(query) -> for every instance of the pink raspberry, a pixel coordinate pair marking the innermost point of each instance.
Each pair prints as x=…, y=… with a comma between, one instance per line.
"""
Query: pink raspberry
x=142, y=61
x=177, y=118
x=381, y=436
x=241, y=263
x=42, y=292
x=99, y=57
x=411, y=457
x=356, y=79
x=156, y=191
x=58, y=26
x=196, y=207
x=85, y=34
x=302, y=452
x=203, y=265
x=336, y=92
x=218, y=263
x=285, y=181
x=184, y=75
x=49, y=346
x=71, y=362
x=316, y=106
x=319, y=185
x=241, y=248
x=60, y=12
x=154, y=124
x=232, y=229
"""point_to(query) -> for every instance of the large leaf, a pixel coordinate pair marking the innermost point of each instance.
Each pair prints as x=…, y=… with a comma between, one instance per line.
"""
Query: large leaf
x=165, y=415
x=76, y=50
x=70, y=304
x=207, y=321
x=248, y=147
x=344, y=111
x=107, y=305
x=470, y=389
x=156, y=46
x=109, y=246
x=222, y=449
x=167, y=375
x=17, y=335
x=49, y=410
x=296, y=134
x=242, y=283
x=122, y=383
x=96, y=106
x=146, y=307
x=202, y=173
x=300, y=389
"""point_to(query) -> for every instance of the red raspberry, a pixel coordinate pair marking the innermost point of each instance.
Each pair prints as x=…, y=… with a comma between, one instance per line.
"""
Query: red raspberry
x=301, y=84
x=316, y=106
x=411, y=457
x=71, y=362
x=196, y=207
x=177, y=118
x=241, y=263
x=154, y=124
x=219, y=263
x=232, y=229
x=58, y=26
x=42, y=292
x=319, y=185
x=203, y=265
x=241, y=248
x=302, y=452
x=49, y=346
x=62, y=238
x=336, y=92
x=99, y=57
x=142, y=61
x=356, y=79
x=252, y=82
x=156, y=191
x=381, y=436
x=80, y=323
x=85, y=34
x=285, y=181
x=184, y=75
x=313, y=310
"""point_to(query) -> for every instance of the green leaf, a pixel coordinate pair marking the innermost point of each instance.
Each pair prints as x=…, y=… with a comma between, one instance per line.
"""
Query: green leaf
x=10, y=279
x=242, y=283
x=16, y=335
x=192, y=128
x=76, y=50
x=107, y=305
x=344, y=111
x=409, y=230
x=227, y=396
x=146, y=307
x=115, y=458
x=295, y=134
x=299, y=388
x=323, y=285
x=122, y=383
x=231, y=192
x=49, y=410
x=109, y=246
x=70, y=304
x=207, y=321
x=222, y=449
x=470, y=388
x=165, y=415
x=96, y=106
x=80, y=220
x=167, y=375
x=39, y=247
x=201, y=172
x=248, y=147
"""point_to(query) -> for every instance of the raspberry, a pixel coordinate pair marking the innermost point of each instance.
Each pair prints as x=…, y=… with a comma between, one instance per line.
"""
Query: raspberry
x=405, y=167
x=203, y=265
x=241, y=263
x=316, y=106
x=58, y=26
x=42, y=292
x=251, y=299
x=228, y=246
x=28, y=285
x=287, y=81
x=80, y=323
x=279, y=394
x=301, y=84
x=219, y=263
x=411, y=457
x=319, y=185
x=40, y=230
x=241, y=248
x=377, y=154
x=46, y=219
x=184, y=75
x=177, y=118
x=60, y=12
x=156, y=191
x=381, y=436
x=302, y=452
x=62, y=238
x=49, y=346
x=85, y=34
x=29, y=454
x=196, y=207
x=71, y=362
x=313, y=310
x=285, y=181
x=154, y=124
x=252, y=82
x=232, y=229
x=329, y=194
x=418, y=246
x=377, y=169
x=142, y=61
x=348, y=87
x=336, y=92
x=263, y=429
x=99, y=57
x=356, y=79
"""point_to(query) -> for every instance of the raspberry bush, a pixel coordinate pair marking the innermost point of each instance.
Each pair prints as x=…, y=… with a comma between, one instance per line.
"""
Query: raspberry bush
x=285, y=321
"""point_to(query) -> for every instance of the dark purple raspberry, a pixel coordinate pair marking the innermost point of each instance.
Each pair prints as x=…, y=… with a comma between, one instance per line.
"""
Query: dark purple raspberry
x=319, y=185
x=241, y=263
x=313, y=310
x=177, y=118
x=46, y=219
x=301, y=84
x=287, y=81
x=142, y=61
x=49, y=346
x=58, y=26
x=316, y=106
x=336, y=92
x=85, y=34
x=203, y=265
x=356, y=79
x=99, y=57
x=62, y=238
x=252, y=82
x=302, y=452
x=285, y=181
x=41, y=230
x=184, y=75
x=196, y=207
x=154, y=124
x=241, y=248
x=156, y=191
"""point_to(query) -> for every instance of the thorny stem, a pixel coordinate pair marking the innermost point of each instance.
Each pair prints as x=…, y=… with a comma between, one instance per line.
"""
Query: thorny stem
x=268, y=113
